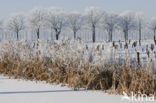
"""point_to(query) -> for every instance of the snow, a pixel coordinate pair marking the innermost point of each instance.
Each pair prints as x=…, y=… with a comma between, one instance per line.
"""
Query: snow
x=22, y=91
x=37, y=92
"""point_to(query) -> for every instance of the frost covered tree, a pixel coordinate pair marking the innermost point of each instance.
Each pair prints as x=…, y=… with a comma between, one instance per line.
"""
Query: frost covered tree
x=153, y=26
x=109, y=21
x=127, y=22
x=93, y=16
x=140, y=22
x=37, y=19
x=75, y=21
x=56, y=19
x=16, y=23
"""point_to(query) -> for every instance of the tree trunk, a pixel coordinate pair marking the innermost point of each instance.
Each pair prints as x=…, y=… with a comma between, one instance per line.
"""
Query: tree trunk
x=140, y=35
x=17, y=35
x=93, y=33
x=125, y=36
x=57, y=36
x=110, y=36
x=38, y=33
x=126, y=32
x=57, y=31
x=74, y=35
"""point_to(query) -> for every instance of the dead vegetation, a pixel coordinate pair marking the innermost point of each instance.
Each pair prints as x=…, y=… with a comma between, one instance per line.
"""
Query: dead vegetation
x=71, y=72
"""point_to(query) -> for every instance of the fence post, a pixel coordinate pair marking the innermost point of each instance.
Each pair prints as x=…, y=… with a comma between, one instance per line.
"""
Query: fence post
x=138, y=58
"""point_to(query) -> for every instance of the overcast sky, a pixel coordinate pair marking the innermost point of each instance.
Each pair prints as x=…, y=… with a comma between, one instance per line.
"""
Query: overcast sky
x=148, y=7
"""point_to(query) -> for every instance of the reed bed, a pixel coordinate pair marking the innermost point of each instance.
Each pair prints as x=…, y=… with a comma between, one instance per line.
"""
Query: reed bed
x=71, y=63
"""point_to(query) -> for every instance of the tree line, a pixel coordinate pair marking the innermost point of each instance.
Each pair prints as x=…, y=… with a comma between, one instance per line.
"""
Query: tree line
x=56, y=19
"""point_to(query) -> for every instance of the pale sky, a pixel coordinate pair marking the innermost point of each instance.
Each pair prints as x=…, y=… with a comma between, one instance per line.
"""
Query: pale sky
x=148, y=7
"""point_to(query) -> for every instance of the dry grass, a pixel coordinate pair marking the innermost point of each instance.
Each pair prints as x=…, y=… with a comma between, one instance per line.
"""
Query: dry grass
x=94, y=77
x=119, y=78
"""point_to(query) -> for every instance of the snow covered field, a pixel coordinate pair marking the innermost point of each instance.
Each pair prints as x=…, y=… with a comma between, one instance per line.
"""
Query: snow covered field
x=50, y=93
x=22, y=91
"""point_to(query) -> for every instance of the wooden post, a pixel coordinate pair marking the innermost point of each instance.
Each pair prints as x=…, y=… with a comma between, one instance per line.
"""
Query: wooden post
x=148, y=53
x=86, y=47
x=126, y=46
x=152, y=47
x=138, y=58
x=103, y=47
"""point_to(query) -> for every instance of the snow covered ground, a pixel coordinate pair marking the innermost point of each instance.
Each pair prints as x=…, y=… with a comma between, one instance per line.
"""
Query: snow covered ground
x=22, y=91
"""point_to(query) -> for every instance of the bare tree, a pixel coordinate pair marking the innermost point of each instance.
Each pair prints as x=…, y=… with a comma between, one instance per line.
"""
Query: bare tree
x=56, y=19
x=109, y=22
x=75, y=20
x=16, y=23
x=93, y=16
x=140, y=21
x=37, y=19
x=127, y=23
